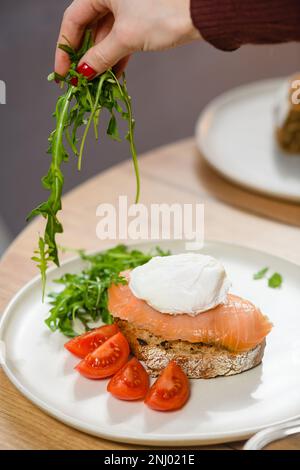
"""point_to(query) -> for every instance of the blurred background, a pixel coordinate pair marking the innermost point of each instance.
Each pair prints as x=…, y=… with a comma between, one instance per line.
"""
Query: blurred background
x=169, y=89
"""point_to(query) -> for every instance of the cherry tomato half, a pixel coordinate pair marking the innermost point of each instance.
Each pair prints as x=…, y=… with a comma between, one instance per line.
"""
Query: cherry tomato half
x=130, y=383
x=106, y=360
x=84, y=344
x=170, y=391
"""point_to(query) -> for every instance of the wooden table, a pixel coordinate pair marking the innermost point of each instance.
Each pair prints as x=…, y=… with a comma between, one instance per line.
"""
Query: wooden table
x=175, y=173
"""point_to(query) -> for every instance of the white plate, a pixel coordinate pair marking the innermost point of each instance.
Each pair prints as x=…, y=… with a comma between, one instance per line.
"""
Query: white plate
x=235, y=134
x=219, y=410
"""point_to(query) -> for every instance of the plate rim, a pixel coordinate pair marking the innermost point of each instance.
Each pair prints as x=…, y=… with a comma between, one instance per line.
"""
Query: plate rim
x=201, y=140
x=152, y=439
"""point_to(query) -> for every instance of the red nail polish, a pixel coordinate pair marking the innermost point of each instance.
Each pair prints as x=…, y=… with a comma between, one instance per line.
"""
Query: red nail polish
x=86, y=71
x=74, y=81
x=56, y=80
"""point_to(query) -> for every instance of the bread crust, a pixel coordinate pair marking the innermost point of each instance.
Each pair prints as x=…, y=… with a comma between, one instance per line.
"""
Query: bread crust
x=198, y=360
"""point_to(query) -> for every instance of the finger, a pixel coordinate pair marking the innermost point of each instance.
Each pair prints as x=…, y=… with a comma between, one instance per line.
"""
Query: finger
x=120, y=66
x=103, y=28
x=75, y=20
x=105, y=54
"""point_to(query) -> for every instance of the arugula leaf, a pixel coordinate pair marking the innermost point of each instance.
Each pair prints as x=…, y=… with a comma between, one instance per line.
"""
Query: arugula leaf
x=275, y=281
x=41, y=258
x=112, y=129
x=79, y=106
x=260, y=274
x=84, y=296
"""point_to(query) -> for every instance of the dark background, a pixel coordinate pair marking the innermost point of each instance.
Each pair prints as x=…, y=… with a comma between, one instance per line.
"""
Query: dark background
x=169, y=89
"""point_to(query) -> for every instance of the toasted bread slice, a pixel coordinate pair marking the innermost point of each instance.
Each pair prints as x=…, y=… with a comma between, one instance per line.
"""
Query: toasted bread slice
x=198, y=360
x=287, y=115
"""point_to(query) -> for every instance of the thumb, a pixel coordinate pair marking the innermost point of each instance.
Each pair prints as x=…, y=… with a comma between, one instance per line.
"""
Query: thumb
x=103, y=56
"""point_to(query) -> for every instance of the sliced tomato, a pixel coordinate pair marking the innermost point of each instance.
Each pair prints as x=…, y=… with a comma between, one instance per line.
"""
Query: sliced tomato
x=130, y=383
x=170, y=391
x=106, y=360
x=84, y=344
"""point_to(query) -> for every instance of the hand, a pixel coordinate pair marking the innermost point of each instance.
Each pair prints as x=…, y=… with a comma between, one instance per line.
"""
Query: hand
x=122, y=27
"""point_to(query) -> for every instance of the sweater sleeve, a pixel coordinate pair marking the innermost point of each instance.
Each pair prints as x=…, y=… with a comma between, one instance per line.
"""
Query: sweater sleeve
x=228, y=24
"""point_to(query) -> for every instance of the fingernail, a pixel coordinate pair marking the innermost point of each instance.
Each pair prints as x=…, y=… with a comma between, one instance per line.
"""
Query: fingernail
x=74, y=81
x=56, y=80
x=87, y=71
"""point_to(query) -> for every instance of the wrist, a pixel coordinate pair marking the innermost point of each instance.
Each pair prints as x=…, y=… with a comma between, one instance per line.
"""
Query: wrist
x=181, y=25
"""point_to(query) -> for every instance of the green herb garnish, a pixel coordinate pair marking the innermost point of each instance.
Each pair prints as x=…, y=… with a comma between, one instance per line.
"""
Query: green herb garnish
x=275, y=281
x=79, y=106
x=84, y=297
x=260, y=274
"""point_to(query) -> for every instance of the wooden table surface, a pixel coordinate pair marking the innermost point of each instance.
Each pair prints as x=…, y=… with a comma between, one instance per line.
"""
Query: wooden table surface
x=175, y=173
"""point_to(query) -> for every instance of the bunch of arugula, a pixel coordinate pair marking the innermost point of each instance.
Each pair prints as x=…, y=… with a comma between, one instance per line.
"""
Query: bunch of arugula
x=80, y=105
x=84, y=296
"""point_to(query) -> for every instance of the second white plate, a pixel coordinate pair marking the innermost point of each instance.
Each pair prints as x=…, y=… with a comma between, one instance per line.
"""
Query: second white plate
x=219, y=410
x=235, y=134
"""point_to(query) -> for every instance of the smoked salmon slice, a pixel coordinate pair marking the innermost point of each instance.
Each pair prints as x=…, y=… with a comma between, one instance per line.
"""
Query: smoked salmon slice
x=237, y=324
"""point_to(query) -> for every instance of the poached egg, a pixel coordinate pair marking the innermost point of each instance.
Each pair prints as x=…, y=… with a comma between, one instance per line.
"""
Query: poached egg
x=188, y=283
